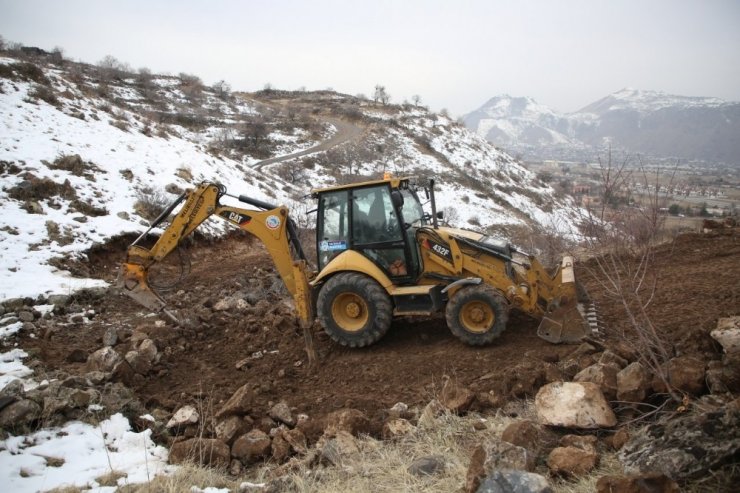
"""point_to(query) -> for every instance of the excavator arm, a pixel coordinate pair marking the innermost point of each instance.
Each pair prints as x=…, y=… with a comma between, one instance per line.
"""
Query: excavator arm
x=271, y=225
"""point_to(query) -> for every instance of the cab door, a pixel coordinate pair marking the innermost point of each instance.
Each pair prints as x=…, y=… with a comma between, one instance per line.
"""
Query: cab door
x=377, y=232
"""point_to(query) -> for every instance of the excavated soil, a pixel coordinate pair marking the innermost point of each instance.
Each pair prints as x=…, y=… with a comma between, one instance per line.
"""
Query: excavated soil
x=699, y=283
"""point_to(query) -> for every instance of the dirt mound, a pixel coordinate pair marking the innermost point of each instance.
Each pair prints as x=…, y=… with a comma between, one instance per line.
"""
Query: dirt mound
x=243, y=331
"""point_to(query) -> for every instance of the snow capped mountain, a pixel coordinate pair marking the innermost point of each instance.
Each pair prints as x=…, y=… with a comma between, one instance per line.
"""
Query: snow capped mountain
x=87, y=152
x=629, y=99
x=652, y=123
x=508, y=120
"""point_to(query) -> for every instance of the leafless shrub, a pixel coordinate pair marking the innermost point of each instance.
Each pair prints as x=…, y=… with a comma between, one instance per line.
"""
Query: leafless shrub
x=623, y=239
x=150, y=203
x=44, y=93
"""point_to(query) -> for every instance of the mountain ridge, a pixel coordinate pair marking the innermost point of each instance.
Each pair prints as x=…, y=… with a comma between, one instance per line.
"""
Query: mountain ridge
x=653, y=123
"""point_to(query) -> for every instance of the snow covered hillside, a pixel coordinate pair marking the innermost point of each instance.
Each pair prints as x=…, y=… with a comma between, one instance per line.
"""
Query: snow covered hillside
x=86, y=152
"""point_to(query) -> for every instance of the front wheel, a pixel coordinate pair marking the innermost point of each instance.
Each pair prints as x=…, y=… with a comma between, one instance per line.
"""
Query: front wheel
x=477, y=314
x=354, y=309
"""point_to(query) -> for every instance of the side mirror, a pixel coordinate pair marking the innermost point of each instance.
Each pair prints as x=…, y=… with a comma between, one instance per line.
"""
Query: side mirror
x=440, y=215
x=397, y=199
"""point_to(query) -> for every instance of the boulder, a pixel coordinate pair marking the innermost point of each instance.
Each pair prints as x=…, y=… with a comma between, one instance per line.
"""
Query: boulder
x=230, y=427
x=609, y=357
x=139, y=363
x=493, y=455
x=280, y=448
x=104, y=359
x=727, y=334
x=205, y=451
x=633, y=383
x=644, y=483
x=686, y=446
x=687, y=374
x=571, y=461
x=527, y=434
x=603, y=375
x=251, y=447
x=148, y=349
x=341, y=449
x=25, y=316
x=618, y=440
x=456, y=398
x=583, y=442
x=59, y=299
x=396, y=427
x=110, y=337
x=297, y=441
x=186, y=415
x=427, y=466
x=512, y=482
x=724, y=376
x=19, y=413
x=430, y=413
x=573, y=405
x=352, y=421
x=281, y=412
x=240, y=402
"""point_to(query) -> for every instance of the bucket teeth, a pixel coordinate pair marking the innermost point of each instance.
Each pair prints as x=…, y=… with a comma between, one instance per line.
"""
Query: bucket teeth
x=591, y=315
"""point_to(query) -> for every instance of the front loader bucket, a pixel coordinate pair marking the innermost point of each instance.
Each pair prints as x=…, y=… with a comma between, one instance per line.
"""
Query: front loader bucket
x=572, y=316
x=564, y=324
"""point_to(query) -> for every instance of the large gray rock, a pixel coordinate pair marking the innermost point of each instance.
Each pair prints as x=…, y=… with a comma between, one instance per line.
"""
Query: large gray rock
x=573, y=405
x=686, y=446
x=513, y=482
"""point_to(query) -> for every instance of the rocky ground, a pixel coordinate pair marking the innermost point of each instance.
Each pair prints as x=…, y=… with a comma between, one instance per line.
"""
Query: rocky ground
x=236, y=385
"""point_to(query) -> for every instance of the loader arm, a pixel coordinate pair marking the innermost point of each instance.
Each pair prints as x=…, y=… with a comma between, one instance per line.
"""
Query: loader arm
x=272, y=226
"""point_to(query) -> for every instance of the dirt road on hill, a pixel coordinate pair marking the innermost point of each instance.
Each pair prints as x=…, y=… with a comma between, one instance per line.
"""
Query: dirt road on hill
x=346, y=132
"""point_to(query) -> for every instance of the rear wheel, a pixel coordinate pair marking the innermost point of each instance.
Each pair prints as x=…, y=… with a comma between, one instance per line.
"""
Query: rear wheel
x=354, y=309
x=477, y=314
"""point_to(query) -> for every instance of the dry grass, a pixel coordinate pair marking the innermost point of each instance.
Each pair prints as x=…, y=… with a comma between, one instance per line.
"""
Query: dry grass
x=187, y=476
x=382, y=466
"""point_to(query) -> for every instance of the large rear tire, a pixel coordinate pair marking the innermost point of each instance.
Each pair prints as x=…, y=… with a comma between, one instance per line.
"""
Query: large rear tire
x=354, y=309
x=477, y=314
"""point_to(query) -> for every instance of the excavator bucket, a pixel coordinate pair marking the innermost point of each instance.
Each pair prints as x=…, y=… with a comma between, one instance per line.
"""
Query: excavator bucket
x=572, y=316
x=133, y=283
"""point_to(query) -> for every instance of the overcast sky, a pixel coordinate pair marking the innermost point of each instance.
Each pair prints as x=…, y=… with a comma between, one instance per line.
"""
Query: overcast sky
x=454, y=54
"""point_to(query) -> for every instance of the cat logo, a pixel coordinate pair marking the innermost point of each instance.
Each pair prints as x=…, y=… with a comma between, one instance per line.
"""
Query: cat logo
x=235, y=217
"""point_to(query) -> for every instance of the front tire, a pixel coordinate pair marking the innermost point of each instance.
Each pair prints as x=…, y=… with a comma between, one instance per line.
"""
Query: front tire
x=354, y=310
x=477, y=314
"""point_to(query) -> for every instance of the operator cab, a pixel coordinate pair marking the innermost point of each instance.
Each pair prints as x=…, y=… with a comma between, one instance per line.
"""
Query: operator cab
x=378, y=219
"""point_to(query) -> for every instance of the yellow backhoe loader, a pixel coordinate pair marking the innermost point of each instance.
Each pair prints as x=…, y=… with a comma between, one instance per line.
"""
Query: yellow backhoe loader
x=380, y=256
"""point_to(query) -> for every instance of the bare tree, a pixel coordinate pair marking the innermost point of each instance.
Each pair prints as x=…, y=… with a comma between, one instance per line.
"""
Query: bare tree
x=624, y=266
x=222, y=89
x=416, y=99
x=57, y=55
x=381, y=95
